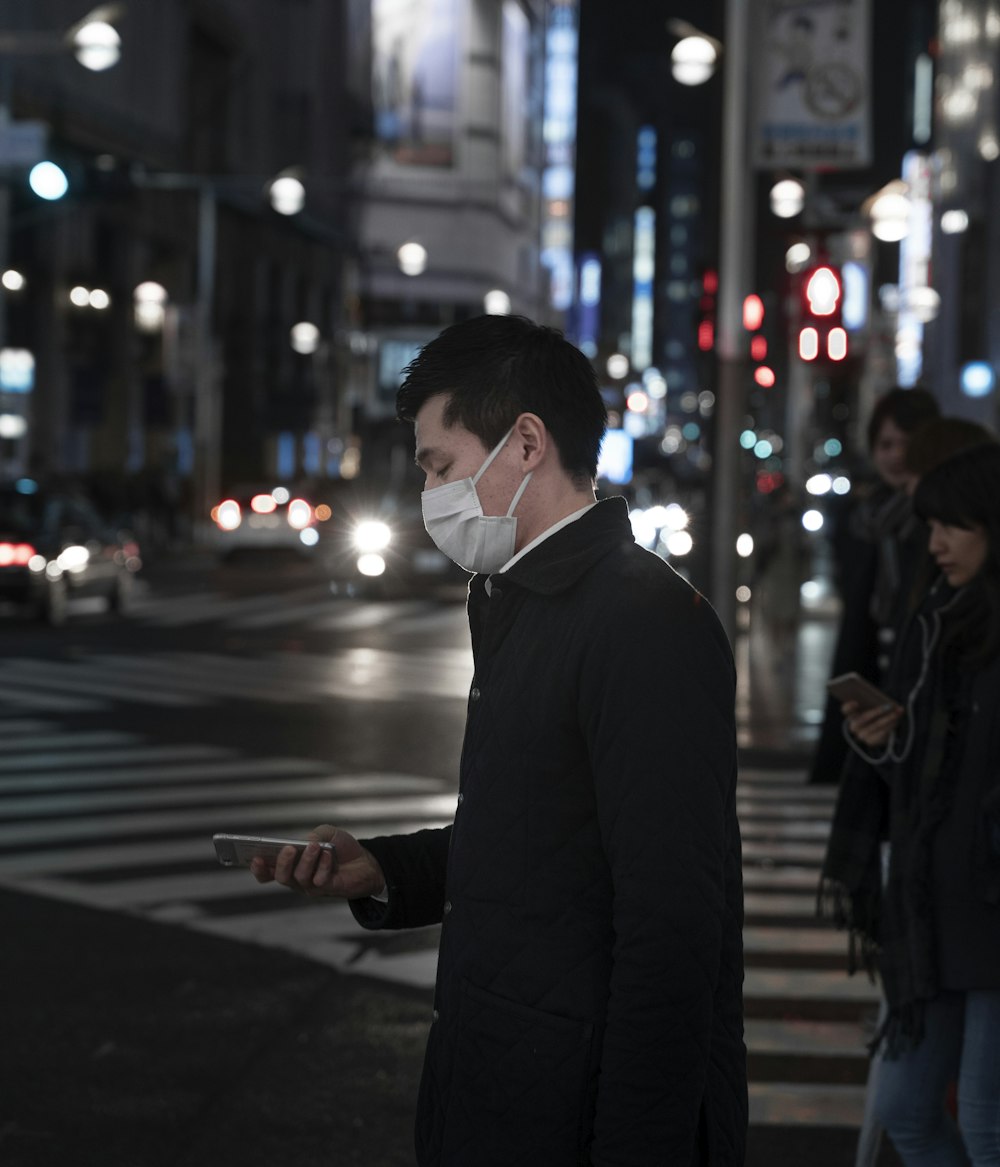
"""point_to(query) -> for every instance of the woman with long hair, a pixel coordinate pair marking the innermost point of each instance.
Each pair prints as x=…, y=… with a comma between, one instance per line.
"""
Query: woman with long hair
x=936, y=932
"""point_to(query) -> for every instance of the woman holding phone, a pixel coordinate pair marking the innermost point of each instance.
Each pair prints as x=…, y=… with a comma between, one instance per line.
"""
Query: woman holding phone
x=937, y=927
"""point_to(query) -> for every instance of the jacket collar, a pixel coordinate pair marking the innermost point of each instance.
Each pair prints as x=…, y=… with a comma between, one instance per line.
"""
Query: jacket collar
x=559, y=561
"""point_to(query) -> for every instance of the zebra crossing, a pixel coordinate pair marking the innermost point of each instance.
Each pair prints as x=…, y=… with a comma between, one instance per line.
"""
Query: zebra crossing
x=115, y=821
x=95, y=681
x=111, y=820
x=315, y=607
x=807, y=1022
x=98, y=681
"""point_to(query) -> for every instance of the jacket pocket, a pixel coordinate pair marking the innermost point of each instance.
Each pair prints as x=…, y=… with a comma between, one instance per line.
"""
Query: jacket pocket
x=520, y=1087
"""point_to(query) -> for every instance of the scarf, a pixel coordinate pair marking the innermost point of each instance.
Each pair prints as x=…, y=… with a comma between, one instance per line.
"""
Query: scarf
x=891, y=928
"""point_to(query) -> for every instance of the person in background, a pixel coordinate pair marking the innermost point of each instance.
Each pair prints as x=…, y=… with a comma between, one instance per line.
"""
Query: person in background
x=853, y=872
x=588, y=1005
x=876, y=550
x=937, y=745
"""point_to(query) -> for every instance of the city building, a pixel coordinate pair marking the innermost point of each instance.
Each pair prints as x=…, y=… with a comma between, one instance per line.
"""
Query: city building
x=248, y=218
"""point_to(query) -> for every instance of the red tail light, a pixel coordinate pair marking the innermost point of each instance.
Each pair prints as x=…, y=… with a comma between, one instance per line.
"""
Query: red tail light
x=16, y=554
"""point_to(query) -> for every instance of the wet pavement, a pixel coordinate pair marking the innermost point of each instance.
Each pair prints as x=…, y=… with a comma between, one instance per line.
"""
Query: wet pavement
x=135, y=1042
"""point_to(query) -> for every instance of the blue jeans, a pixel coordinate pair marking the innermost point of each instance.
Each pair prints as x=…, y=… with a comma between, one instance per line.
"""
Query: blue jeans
x=961, y=1042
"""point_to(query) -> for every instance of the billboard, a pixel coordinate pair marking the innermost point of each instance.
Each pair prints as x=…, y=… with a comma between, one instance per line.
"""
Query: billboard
x=415, y=80
x=811, y=81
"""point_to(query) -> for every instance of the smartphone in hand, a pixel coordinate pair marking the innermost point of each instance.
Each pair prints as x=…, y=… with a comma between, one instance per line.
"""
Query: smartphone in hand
x=240, y=850
x=854, y=687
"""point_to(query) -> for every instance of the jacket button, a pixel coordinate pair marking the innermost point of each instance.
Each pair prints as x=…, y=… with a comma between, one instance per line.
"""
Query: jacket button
x=461, y=798
x=435, y=1015
x=474, y=695
x=447, y=907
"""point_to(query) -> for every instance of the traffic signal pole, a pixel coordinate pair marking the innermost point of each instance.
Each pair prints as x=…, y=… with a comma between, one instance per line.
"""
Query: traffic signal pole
x=734, y=279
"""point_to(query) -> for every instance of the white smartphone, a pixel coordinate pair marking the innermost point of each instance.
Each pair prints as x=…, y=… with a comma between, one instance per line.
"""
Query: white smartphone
x=239, y=850
x=854, y=687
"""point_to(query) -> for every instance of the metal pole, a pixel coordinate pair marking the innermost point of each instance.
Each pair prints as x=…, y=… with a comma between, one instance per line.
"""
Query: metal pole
x=206, y=411
x=734, y=276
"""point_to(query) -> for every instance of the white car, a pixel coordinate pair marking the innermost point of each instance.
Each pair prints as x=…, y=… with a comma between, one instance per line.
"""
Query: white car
x=271, y=520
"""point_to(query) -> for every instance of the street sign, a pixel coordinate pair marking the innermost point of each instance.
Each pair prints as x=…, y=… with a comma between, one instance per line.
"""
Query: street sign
x=23, y=143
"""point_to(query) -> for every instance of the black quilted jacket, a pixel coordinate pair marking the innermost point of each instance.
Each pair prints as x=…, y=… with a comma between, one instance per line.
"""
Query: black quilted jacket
x=588, y=1007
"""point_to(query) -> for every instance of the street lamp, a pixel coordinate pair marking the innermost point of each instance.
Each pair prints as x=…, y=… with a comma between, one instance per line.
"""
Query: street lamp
x=497, y=303
x=412, y=258
x=96, y=44
x=287, y=194
x=787, y=198
x=889, y=211
x=305, y=337
x=694, y=57
x=149, y=306
x=48, y=181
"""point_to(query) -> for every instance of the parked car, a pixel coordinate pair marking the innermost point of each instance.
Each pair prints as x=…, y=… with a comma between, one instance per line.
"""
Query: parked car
x=55, y=546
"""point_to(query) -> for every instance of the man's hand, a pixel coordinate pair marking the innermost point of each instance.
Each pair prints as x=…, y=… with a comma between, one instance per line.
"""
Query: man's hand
x=872, y=727
x=350, y=873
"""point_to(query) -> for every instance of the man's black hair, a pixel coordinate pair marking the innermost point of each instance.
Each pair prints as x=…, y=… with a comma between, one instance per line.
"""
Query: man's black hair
x=906, y=408
x=493, y=368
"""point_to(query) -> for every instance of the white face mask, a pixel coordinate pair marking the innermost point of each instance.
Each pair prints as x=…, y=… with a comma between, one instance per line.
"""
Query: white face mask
x=453, y=516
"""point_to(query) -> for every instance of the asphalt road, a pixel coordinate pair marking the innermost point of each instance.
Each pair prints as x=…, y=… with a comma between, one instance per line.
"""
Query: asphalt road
x=161, y=1010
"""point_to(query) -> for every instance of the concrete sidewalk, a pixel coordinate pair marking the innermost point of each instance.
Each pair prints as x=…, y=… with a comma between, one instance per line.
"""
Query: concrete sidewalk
x=133, y=1044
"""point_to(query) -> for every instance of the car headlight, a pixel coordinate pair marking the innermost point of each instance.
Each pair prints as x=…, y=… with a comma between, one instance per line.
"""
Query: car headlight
x=372, y=535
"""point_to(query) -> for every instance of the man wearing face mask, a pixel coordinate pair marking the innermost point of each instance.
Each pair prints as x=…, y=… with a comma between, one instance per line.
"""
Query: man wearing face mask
x=588, y=1005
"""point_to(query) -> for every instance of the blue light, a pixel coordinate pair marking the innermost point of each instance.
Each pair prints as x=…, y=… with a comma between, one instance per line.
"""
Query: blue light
x=615, y=461
x=286, y=455
x=854, y=309
x=26, y=486
x=978, y=379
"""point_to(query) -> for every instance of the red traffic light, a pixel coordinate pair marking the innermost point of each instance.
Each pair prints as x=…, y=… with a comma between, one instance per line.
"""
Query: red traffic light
x=823, y=291
x=753, y=312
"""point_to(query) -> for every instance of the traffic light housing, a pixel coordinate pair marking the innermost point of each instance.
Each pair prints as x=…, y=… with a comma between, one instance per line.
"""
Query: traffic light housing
x=822, y=335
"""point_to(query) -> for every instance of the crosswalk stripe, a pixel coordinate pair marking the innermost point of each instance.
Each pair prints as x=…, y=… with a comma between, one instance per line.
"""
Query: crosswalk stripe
x=193, y=795
x=111, y=820
x=198, y=766
x=18, y=726
x=821, y=939
x=150, y=607
x=815, y=1038
x=438, y=809
x=215, y=606
x=227, y=679
x=792, y=1103
x=282, y=614
x=71, y=677
x=93, y=758
x=46, y=702
x=358, y=618
x=15, y=743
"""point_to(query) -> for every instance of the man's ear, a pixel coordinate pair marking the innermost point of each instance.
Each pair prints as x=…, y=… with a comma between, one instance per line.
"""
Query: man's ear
x=533, y=440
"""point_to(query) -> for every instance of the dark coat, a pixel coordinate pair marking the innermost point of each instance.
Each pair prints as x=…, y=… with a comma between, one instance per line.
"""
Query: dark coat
x=588, y=1007
x=943, y=855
